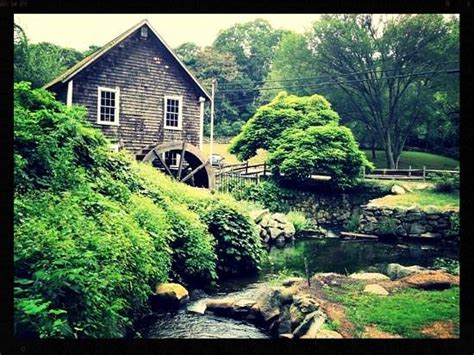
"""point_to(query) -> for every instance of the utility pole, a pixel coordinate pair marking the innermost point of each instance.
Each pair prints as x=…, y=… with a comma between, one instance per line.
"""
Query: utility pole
x=212, y=121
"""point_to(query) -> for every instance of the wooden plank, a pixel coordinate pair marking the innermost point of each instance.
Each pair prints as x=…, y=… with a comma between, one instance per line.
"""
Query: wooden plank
x=191, y=174
x=181, y=159
x=163, y=163
x=351, y=235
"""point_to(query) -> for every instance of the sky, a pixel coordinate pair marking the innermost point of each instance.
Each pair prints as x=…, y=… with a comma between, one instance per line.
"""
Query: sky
x=79, y=31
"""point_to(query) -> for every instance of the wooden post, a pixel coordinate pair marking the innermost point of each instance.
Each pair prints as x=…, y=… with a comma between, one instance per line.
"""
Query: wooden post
x=409, y=170
x=246, y=167
x=384, y=171
x=308, y=277
x=264, y=168
x=424, y=173
x=363, y=172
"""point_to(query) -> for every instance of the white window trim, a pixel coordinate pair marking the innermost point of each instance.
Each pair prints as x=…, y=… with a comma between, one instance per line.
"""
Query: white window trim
x=115, y=90
x=180, y=112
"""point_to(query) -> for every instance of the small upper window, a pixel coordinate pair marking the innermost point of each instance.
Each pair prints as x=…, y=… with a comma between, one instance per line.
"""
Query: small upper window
x=173, y=112
x=108, y=106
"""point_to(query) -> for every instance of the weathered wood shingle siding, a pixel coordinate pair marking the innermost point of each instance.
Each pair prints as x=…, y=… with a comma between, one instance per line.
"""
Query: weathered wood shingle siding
x=145, y=73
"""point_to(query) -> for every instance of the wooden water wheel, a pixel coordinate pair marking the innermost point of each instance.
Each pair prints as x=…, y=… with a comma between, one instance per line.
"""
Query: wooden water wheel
x=182, y=161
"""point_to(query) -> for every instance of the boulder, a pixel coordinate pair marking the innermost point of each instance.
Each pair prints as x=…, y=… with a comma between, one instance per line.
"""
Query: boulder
x=279, y=217
x=169, y=296
x=376, y=290
x=431, y=280
x=289, y=230
x=284, y=323
x=417, y=229
x=198, y=306
x=258, y=215
x=396, y=271
x=286, y=336
x=310, y=325
x=223, y=306
x=369, y=276
x=301, y=306
x=275, y=232
x=397, y=190
x=286, y=295
x=268, y=305
x=266, y=219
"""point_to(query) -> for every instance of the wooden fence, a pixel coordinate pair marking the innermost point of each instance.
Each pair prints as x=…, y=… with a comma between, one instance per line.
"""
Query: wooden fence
x=406, y=174
x=234, y=175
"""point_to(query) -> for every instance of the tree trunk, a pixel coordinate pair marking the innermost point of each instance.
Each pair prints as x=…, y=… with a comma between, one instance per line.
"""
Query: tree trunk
x=389, y=151
x=373, y=148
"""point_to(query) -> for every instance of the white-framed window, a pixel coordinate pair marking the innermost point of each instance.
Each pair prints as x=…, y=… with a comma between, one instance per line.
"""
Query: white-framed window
x=172, y=159
x=108, y=103
x=173, y=112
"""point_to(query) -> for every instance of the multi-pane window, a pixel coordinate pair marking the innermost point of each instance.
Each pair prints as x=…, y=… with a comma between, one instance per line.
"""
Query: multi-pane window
x=172, y=159
x=108, y=106
x=173, y=112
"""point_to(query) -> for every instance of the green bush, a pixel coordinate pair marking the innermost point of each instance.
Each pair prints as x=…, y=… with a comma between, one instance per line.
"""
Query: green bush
x=386, y=226
x=328, y=149
x=95, y=230
x=299, y=220
x=352, y=223
x=238, y=245
x=444, y=182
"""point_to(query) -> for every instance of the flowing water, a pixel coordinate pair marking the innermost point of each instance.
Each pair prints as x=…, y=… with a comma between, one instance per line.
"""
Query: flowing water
x=322, y=255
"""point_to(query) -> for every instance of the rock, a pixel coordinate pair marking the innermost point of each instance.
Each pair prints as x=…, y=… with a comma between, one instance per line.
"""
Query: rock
x=284, y=323
x=376, y=290
x=302, y=305
x=291, y=281
x=197, y=294
x=331, y=234
x=169, y=295
x=417, y=229
x=268, y=305
x=289, y=230
x=413, y=216
x=286, y=336
x=286, y=295
x=198, y=306
x=369, y=276
x=397, y=190
x=266, y=219
x=280, y=241
x=223, y=306
x=275, y=232
x=279, y=217
x=257, y=215
x=396, y=271
x=327, y=334
x=430, y=235
x=431, y=280
x=310, y=326
x=407, y=188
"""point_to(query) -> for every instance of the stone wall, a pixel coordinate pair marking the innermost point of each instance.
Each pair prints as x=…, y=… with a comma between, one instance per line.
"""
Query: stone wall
x=329, y=210
x=413, y=222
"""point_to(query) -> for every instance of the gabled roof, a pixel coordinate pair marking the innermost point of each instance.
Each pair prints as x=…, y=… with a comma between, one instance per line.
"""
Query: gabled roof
x=74, y=70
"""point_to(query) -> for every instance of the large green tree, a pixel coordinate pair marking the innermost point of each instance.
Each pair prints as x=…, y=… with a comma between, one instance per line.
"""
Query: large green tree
x=385, y=73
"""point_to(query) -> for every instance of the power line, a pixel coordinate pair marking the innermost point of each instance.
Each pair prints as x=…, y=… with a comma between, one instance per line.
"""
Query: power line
x=341, y=75
x=450, y=71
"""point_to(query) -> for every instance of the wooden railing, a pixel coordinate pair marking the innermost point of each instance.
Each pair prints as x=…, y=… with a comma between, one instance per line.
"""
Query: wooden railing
x=406, y=174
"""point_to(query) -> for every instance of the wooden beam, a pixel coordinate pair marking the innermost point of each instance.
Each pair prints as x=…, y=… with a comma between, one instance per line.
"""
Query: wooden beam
x=191, y=174
x=163, y=163
x=358, y=235
x=181, y=160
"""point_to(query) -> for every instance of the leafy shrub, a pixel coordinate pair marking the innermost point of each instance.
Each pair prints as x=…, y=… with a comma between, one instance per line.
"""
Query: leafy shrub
x=450, y=265
x=238, y=245
x=386, y=226
x=444, y=182
x=271, y=120
x=352, y=223
x=328, y=149
x=299, y=220
x=80, y=258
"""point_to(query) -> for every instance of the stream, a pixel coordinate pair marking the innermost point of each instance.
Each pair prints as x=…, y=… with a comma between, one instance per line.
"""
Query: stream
x=323, y=255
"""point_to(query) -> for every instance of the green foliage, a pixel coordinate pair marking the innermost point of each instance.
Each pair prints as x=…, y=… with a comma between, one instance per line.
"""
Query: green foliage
x=445, y=182
x=386, y=226
x=352, y=223
x=271, y=120
x=450, y=265
x=95, y=230
x=238, y=244
x=454, y=223
x=326, y=149
x=405, y=312
x=299, y=220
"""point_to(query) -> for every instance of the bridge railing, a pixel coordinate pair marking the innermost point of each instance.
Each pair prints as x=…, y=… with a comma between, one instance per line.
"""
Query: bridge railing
x=406, y=174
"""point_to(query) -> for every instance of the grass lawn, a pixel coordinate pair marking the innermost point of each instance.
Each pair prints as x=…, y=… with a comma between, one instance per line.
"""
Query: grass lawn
x=443, y=201
x=221, y=149
x=416, y=160
x=405, y=312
